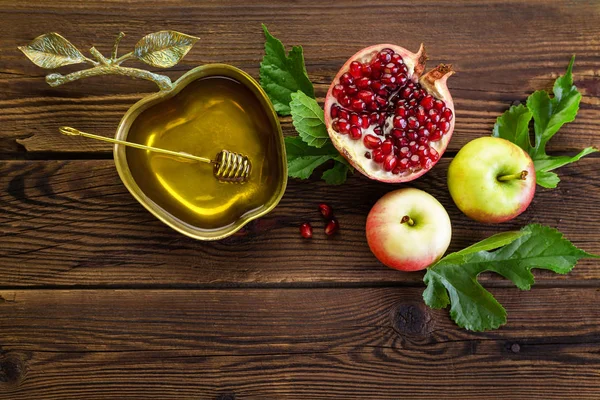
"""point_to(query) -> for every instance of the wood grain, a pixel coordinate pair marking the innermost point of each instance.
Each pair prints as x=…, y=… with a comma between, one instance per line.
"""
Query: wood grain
x=520, y=48
x=74, y=223
x=261, y=344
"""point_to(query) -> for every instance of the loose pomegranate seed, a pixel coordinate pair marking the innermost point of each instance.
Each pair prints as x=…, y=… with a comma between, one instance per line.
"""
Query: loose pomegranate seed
x=306, y=230
x=387, y=147
x=332, y=227
x=390, y=162
x=371, y=141
x=355, y=132
x=356, y=69
x=378, y=156
x=326, y=211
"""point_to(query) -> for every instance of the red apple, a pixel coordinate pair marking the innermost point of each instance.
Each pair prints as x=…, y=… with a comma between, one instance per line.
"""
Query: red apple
x=408, y=229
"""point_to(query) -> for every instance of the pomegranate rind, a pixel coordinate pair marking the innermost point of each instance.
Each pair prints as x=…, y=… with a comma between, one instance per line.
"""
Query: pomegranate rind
x=433, y=81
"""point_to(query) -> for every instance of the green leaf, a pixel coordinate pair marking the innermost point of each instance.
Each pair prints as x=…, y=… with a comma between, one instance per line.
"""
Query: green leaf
x=308, y=119
x=336, y=175
x=453, y=279
x=513, y=125
x=163, y=49
x=282, y=75
x=546, y=179
x=550, y=114
x=550, y=163
x=303, y=159
x=51, y=50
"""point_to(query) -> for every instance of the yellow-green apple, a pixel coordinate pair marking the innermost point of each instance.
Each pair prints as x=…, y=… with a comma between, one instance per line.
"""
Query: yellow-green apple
x=408, y=229
x=491, y=180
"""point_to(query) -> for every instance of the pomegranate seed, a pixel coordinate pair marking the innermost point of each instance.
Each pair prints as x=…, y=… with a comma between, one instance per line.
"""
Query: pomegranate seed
x=396, y=171
x=413, y=146
x=433, y=154
x=376, y=66
x=332, y=227
x=423, y=140
x=325, y=211
x=439, y=105
x=378, y=155
x=344, y=100
x=443, y=125
x=364, y=121
x=401, y=112
x=420, y=114
x=390, y=68
x=447, y=114
x=427, y=163
x=413, y=123
x=334, y=111
x=435, y=135
x=387, y=147
x=366, y=70
x=373, y=118
x=366, y=95
x=335, y=125
x=423, y=151
x=397, y=59
x=412, y=135
x=384, y=57
x=423, y=132
x=403, y=142
x=401, y=78
x=412, y=103
x=306, y=230
x=399, y=122
x=344, y=114
x=397, y=133
x=390, y=162
x=371, y=141
x=377, y=131
x=343, y=126
x=368, y=155
x=427, y=102
x=388, y=79
x=414, y=160
x=358, y=105
x=434, y=115
x=404, y=151
x=337, y=91
x=354, y=119
x=356, y=69
x=406, y=93
x=363, y=83
x=351, y=90
x=403, y=163
x=430, y=126
x=346, y=79
x=355, y=132
x=381, y=119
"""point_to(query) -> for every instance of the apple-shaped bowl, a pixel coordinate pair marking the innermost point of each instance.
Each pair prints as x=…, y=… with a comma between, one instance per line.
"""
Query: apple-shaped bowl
x=183, y=119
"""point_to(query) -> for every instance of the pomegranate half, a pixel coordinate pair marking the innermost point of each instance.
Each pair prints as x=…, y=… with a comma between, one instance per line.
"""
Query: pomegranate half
x=391, y=122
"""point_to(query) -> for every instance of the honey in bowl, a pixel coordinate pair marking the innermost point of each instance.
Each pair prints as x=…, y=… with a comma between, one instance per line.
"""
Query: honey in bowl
x=209, y=114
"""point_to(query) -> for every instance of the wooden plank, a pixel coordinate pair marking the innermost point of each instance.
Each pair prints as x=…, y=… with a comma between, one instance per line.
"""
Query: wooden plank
x=494, y=69
x=293, y=344
x=74, y=223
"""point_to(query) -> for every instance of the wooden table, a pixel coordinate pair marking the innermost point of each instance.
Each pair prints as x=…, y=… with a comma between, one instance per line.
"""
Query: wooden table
x=98, y=299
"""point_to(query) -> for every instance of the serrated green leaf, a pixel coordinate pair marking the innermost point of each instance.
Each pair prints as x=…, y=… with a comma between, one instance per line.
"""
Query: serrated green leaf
x=163, y=49
x=546, y=179
x=550, y=163
x=303, y=159
x=513, y=125
x=308, y=119
x=337, y=174
x=282, y=75
x=474, y=308
x=550, y=114
x=51, y=50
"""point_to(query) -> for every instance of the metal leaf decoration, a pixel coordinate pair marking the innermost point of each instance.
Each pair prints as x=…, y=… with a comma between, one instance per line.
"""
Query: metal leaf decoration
x=52, y=51
x=163, y=49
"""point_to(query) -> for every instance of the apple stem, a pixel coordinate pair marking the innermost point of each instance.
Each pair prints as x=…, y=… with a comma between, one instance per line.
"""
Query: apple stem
x=407, y=219
x=521, y=175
